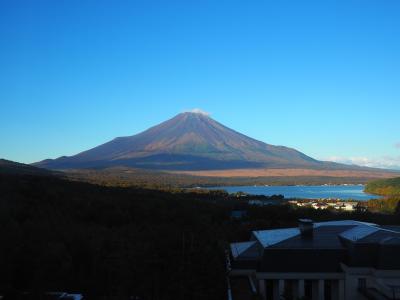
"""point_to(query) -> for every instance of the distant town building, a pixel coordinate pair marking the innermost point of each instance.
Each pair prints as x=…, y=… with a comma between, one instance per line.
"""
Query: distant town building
x=319, y=205
x=323, y=204
x=258, y=202
x=336, y=260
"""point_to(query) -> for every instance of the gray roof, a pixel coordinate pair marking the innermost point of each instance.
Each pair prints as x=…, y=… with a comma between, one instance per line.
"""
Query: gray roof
x=240, y=249
x=358, y=232
x=328, y=246
x=326, y=235
x=342, y=222
x=379, y=236
x=270, y=237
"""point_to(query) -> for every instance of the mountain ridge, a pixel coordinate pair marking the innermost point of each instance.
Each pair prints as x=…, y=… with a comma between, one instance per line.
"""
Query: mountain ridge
x=14, y=168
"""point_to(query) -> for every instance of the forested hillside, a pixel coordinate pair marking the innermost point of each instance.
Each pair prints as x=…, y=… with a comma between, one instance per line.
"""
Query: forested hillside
x=384, y=187
x=60, y=235
x=128, y=177
x=12, y=167
x=390, y=189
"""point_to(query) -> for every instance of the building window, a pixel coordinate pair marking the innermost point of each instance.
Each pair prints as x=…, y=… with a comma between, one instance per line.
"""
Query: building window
x=362, y=283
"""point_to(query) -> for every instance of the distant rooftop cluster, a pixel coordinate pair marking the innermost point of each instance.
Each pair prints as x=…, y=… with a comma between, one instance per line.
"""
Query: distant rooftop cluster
x=336, y=205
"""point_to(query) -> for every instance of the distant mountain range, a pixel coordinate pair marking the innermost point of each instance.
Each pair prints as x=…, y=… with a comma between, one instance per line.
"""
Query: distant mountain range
x=189, y=142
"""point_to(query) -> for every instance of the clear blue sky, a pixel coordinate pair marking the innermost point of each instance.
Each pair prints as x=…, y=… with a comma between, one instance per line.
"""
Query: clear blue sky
x=320, y=76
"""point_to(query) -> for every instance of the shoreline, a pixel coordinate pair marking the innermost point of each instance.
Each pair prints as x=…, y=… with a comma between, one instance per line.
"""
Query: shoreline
x=290, y=192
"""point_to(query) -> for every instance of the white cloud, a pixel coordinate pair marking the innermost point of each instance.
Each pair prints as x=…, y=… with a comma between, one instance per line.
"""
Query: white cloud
x=199, y=111
x=397, y=145
x=385, y=162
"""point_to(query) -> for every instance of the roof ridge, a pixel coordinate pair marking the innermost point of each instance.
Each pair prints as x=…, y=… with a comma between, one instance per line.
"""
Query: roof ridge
x=394, y=231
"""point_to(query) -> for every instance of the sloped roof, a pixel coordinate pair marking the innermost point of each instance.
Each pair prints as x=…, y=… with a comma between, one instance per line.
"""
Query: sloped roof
x=287, y=250
x=370, y=233
x=379, y=236
x=245, y=250
x=358, y=232
x=326, y=235
x=342, y=223
x=270, y=237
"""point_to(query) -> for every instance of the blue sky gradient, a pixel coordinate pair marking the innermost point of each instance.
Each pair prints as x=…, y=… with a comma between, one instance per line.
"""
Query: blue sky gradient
x=320, y=76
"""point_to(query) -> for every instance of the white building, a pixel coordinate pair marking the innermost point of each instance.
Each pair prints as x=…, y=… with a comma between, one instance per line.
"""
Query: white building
x=328, y=260
x=319, y=205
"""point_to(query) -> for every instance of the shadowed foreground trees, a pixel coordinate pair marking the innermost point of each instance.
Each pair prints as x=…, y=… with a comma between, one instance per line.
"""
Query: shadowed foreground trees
x=112, y=243
x=59, y=235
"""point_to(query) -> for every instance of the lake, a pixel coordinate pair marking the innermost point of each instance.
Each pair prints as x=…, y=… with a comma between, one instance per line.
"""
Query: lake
x=355, y=192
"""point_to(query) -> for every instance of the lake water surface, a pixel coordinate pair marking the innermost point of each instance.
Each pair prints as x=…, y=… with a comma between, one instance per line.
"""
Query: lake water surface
x=355, y=192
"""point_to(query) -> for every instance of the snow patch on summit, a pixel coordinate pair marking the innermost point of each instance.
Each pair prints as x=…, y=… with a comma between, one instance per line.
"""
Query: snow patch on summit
x=199, y=111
